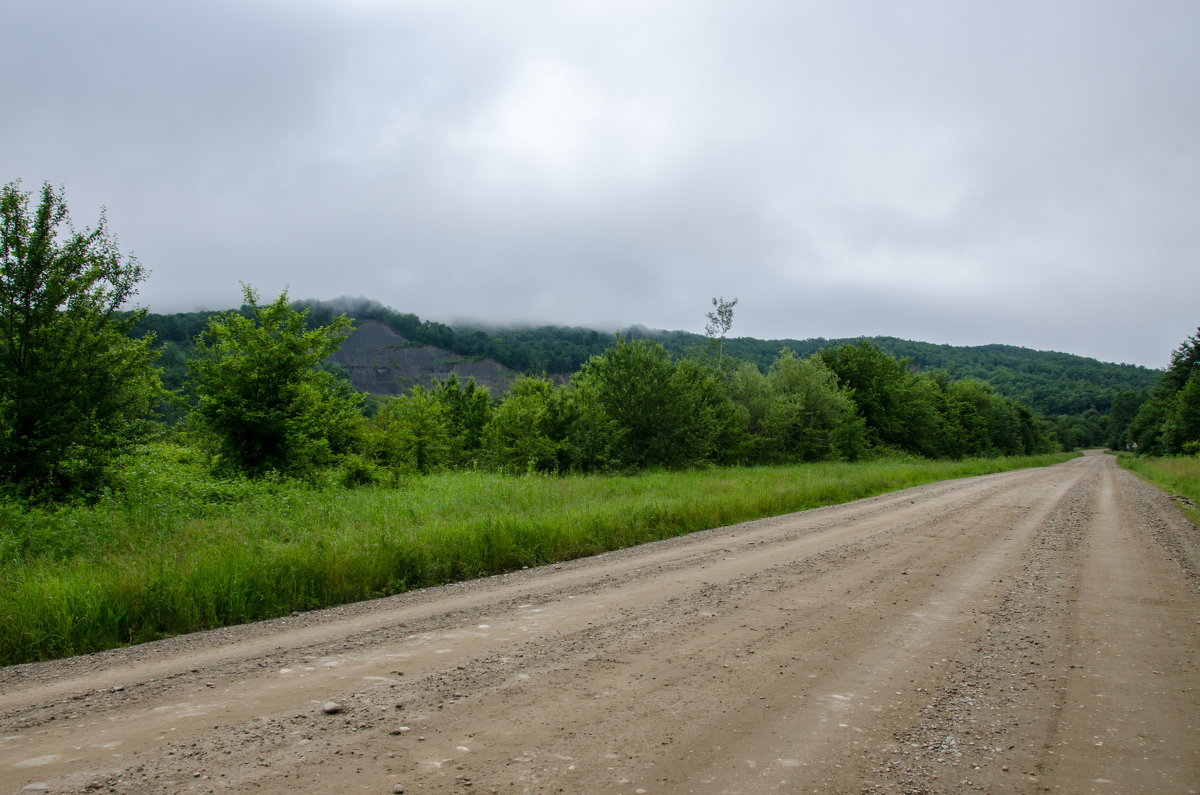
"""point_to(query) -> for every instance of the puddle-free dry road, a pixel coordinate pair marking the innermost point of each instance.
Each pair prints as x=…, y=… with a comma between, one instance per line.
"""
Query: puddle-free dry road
x=1034, y=631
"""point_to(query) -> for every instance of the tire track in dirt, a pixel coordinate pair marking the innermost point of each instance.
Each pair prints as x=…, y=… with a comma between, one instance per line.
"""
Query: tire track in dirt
x=1085, y=678
x=918, y=642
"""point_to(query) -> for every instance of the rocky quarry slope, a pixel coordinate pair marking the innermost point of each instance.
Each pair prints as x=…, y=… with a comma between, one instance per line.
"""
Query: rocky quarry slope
x=382, y=362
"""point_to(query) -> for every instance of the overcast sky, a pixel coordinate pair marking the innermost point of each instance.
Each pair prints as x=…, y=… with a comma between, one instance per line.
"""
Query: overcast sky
x=963, y=172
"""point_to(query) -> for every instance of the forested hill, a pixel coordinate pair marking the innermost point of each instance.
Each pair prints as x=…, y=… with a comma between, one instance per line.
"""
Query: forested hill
x=1050, y=383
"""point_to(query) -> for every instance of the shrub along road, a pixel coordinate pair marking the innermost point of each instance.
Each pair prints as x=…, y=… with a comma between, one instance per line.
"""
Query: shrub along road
x=1027, y=631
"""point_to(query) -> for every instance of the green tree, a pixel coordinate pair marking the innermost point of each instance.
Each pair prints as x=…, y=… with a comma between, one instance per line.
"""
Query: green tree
x=588, y=434
x=630, y=383
x=876, y=381
x=720, y=320
x=1171, y=415
x=522, y=433
x=1124, y=408
x=264, y=401
x=1145, y=431
x=969, y=409
x=468, y=408
x=810, y=417
x=751, y=395
x=714, y=428
x=75, y=388
x=929, y=431
x=411, y=433
x=657, y=412
x=1184, y=424
x=1185, y=360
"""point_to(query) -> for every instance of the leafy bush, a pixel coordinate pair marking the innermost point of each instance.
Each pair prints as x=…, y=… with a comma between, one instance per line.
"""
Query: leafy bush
x=356, y=471
x=75, y=388
x=265, y=403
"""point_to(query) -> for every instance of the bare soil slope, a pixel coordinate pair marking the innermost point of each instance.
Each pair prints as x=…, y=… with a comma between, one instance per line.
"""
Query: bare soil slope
x=1033, y=631
x=382, y=362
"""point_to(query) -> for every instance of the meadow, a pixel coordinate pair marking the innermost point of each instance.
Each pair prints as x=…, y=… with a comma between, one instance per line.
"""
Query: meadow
x=171, y=550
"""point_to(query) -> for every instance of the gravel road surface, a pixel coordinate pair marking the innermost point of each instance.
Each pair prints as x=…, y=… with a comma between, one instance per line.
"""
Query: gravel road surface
x=1033, y=631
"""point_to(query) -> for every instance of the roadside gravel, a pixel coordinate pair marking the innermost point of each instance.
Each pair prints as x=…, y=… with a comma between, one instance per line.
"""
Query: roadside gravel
x=1023, y=632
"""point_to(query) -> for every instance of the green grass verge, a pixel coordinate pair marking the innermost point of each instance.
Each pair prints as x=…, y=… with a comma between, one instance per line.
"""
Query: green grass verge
x=1176, y=475
x=176, y=551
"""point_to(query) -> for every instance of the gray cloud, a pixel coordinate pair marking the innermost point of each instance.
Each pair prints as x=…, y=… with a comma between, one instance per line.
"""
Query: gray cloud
x=966, y=173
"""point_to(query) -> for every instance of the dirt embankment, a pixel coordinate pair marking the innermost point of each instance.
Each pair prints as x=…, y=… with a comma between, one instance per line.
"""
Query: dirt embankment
x=1024, y=632
x=381, y=362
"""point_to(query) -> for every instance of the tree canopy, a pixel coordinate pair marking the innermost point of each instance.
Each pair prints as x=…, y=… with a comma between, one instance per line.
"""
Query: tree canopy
x=264, y=401
x=1074, y=392
x=75, y=387
x=1167, y=420
x=256, y=388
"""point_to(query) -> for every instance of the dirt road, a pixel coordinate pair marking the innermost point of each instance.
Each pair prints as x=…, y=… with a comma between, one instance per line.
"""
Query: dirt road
x=1024, y=632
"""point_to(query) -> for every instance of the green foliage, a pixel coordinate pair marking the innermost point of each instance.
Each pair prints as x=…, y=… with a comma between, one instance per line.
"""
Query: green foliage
x=411, y=433
x=808, y=416
x=881, y=387
x=986, y=423
x=1145, y=431
x=425, y=430
x=75, y=388
x=1089, y=429
x=1184, y=427
x=1124, y=408
x=660, y=412
x=264, y=402
x=356, y=471
x=1169, y=417
x=631, y=384
x=933, y=430
x=720, y=320
x=751, y=396
x=634, y=404
x=177, y=550
x=930, y=414
x=468, y=409
x=715, y=430
x=1050, y=384
x=634, y=407
x=522, y=434
x=1185, y=361
x=175, y=335
x=1179, y=476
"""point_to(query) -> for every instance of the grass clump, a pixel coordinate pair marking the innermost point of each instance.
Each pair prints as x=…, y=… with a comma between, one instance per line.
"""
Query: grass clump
x=1176, y=475
x=176, y=550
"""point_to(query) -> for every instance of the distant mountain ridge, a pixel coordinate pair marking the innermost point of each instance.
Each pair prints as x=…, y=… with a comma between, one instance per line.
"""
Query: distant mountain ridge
x=413, y=351
x=1049, y=382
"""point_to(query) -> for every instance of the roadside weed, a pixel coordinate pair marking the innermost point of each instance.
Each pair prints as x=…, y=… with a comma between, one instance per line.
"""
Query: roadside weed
x=177, y=551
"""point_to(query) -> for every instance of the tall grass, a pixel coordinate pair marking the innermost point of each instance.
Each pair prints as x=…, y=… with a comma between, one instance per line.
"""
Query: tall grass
x=1177, y=475
x=175, y=551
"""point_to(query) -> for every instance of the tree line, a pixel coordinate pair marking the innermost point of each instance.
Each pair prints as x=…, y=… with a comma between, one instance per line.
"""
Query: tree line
x=78, y=385
x=1163, y=420
x=264, y=404
x=1052, y=384
x=1075, y=394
